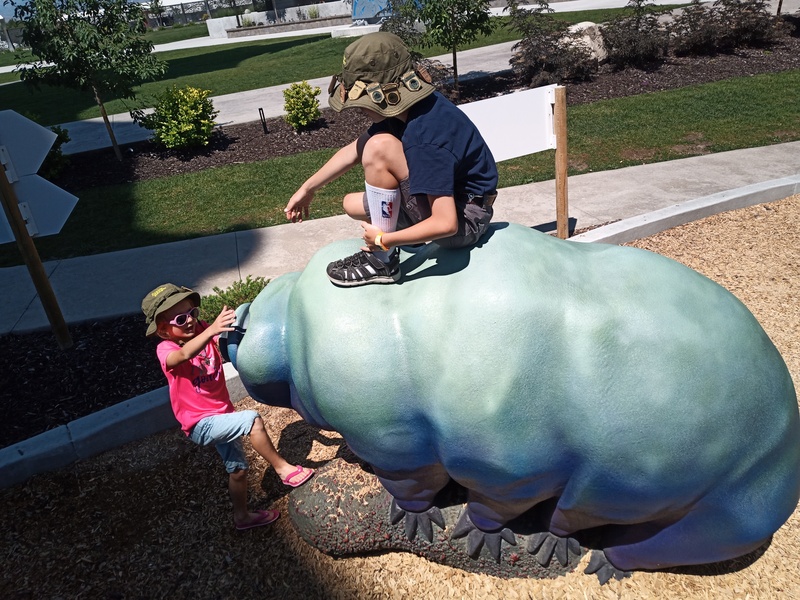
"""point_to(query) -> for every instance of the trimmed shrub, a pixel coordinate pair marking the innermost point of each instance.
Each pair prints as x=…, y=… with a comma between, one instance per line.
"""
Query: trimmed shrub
x=548, y=51
x=301, y=105
x=723, y=27
x=403, y=22
x=696, y=31
x=637, y=40
x=182, y=118
x=237, y=294
x=56, y=161
x=746, y=23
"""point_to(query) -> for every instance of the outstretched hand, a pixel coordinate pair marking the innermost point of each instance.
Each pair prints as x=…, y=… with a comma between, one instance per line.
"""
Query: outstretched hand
x=224, y=321
x=297, y=208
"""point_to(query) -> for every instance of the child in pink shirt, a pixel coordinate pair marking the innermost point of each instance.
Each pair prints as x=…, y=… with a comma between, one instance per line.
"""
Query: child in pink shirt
x=192, y=364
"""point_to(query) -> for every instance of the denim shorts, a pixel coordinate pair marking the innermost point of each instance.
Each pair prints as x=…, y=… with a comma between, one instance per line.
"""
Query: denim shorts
x=473, y=220
x=225, y=433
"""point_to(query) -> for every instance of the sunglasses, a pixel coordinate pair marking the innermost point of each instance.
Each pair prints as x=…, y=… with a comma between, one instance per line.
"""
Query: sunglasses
x=181, y=319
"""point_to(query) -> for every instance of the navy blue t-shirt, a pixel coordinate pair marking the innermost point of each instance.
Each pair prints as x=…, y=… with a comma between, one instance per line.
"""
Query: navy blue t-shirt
x=445, y=152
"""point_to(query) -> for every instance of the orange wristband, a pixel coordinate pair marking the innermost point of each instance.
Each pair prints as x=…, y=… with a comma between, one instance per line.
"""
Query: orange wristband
x=379, y=242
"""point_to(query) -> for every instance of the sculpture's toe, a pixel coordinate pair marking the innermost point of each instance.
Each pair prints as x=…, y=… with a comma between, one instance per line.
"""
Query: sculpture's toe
x=417, y=521
x=546, y=545
x=600, y=564
x=476, y=538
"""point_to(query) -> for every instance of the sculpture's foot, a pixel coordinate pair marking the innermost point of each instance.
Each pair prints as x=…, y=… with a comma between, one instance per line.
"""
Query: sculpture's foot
x=546, y=545
x=345, y=511
x=476, y=538
x=417, y=521
x=600, y=565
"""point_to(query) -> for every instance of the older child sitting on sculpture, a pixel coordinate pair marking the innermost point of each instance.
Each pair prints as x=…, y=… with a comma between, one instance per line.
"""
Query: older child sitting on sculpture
x=192, y=364
x=429, y=175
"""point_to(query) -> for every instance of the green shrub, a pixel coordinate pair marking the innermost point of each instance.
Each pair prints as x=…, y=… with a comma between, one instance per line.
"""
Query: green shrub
x=696, y=31
x=301, y=106
x=182, y=118
x=402, y=20
x=55, y=162
x=637, y=40
x=548, y=52
x=723, y=27
x=746, y=23
x=240, y=292
x=313, y=12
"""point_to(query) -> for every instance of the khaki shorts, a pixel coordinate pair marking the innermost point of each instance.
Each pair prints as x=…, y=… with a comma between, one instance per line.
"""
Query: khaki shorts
x=473, y=220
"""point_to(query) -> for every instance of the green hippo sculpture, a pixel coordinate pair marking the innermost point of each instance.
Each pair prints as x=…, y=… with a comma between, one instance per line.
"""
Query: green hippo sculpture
x=609, y=388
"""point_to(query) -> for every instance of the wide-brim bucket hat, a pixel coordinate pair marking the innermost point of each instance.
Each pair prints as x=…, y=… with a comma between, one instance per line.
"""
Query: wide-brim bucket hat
x=378, y=73
x=162, y=299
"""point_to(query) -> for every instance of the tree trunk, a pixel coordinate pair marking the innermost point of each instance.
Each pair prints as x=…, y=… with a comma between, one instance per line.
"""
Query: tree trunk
x=108, y=125
x=780, y=4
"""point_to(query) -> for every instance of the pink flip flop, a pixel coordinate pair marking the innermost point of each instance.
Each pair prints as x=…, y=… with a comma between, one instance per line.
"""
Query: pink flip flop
x=265, y=517
x=300, y=470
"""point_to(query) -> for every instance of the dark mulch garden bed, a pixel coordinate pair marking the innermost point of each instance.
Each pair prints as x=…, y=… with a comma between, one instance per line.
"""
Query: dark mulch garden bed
x=42, y=387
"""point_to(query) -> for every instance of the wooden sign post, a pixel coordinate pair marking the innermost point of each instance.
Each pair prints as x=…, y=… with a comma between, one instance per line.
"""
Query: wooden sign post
x=35, y=267
x=23, y=147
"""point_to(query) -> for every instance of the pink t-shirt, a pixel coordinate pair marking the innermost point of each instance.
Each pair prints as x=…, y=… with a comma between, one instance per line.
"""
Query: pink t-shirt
x=196, y=387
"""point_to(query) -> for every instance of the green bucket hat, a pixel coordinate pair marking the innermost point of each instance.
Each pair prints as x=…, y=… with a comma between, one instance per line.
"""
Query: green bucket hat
x=378, y=73
x=162, y=299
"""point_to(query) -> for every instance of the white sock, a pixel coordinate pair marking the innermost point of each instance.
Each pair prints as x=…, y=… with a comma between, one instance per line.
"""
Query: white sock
x=384, y=207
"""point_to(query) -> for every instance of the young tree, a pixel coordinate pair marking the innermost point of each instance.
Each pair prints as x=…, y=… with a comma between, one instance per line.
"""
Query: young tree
x=90, y=45
x=448, y=23
x=157, y=10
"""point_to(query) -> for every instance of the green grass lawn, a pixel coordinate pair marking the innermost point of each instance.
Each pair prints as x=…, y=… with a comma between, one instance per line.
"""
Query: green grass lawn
x=736, y=113
x=228, y=69
x=8, y=77
x=177, y=33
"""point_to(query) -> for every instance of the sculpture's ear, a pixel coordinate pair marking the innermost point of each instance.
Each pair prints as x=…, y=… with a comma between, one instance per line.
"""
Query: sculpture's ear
x=229, y=341
x=260, y=356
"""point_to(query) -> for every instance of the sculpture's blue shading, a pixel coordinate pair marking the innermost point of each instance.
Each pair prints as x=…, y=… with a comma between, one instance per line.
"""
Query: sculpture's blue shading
x=633, y=392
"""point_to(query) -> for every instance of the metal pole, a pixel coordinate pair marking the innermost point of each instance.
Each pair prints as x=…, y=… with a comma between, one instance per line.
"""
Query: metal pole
x=33, y=262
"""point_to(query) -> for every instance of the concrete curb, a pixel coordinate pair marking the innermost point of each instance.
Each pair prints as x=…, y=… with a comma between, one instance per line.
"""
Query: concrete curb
x=150, y=413
x=657, y=221
x=94, y=434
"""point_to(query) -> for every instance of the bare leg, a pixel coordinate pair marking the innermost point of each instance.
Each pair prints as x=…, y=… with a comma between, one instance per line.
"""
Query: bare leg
x=237, y=488
x=353, y=205
x=384, y=161
x=243, y=518
x=261, y=442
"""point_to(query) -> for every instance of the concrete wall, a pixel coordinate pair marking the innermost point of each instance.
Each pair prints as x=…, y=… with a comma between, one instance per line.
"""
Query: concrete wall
x=217, y=28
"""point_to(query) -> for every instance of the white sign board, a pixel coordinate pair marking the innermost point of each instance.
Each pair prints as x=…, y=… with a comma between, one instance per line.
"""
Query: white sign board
x=23, y=146
x=515, y=124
